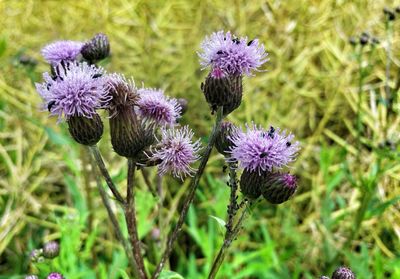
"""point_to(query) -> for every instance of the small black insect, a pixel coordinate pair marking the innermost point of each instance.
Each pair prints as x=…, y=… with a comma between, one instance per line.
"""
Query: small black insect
x=236, y=41
x=50, y=105
x=288, y=144
x=250, y=42
x=224, y=168
x=263, y=155
x=271, y=132
x=96, y=75
x=220, y=52
x=48, y=86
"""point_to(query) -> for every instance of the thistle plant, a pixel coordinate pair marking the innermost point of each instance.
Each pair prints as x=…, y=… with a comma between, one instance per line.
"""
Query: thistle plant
x=145, y=130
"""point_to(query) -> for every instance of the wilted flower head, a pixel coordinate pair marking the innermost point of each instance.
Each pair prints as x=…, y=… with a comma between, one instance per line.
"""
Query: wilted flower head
x=176, y=152
x=155, y=105
x=78, y=90
x=123, y=92
x=261, y=150
x=54, y=275
x=231, y=55
x=59, y=51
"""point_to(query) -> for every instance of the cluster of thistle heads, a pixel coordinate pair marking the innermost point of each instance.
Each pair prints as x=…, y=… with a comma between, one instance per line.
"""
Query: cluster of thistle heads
x=144, y=122
x=49, y=251
x=341, y=273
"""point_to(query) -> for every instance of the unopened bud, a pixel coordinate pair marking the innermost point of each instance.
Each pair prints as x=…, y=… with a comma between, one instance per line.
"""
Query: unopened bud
x=97, y=48
x=51, y=250
x=250, y=184
x=223, y=142
x=390, y=14
x=36, y=255
x=343, y=273
x=86, y=131
x=224, y=90
x=279, y=187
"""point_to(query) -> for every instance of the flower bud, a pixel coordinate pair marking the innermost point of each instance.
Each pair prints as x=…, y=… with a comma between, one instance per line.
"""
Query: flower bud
x=183, y=103
x=390, y=14
x=222, y=89
x=51, y=250
x=54, y=275
x=86, y=131
x=278, y=187
x=250, y=184
x=353, y=41
x=397, y=9
x=364, y=39
x=343, y=273
x=97, y=48
x=223, y=143
x=35, y=255
x=129, y=136
x=31, y=277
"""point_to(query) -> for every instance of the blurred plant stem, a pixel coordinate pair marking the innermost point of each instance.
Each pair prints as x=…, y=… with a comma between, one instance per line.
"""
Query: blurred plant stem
x=389, y=38
x=102, y=167
x=230, y=235
x=113, y=218
x=359, y=100
x=130, y=217
x=192, y=189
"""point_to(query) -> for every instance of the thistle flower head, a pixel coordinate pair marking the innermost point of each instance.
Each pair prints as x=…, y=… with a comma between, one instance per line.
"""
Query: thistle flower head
x=262, y=150
x=232, y=55
x=78, y=90
x=176, y=152
x=343, y=273
x=51, y=250
x=59, y=51
x=97, y=48
x=54, y=275
x=156, y=106
x=123, y=93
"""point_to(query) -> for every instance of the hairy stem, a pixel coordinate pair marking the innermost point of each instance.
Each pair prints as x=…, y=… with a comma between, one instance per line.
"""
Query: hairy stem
x=130, y=217
x=189, y=198
x=229, y=237
x=114, y=222
x=102, y=167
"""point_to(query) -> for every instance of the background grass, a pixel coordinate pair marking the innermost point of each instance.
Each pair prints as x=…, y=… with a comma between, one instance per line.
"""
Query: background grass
x=310, y=87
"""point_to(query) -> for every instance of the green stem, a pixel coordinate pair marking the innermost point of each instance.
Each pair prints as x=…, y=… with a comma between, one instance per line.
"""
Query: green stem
x=189, y=198
x=229, y=237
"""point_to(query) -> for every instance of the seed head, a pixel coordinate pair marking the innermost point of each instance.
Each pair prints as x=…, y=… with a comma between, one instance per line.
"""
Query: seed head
x=59, y=51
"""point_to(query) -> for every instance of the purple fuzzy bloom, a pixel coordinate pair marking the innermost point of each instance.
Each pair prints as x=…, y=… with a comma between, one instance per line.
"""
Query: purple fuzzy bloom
x=154, y=105
x=77, y=90
x=59, y=51
x=176, y=152
x=232, y=55
x=261, y=150
x=54, y=275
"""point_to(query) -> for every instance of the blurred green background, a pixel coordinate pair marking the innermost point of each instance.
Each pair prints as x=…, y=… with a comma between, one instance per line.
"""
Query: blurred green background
x=347, y=183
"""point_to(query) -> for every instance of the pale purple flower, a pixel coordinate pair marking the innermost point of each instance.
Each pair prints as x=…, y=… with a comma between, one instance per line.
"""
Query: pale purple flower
x=155, y=105
x=230, y=54
x=176, y=152
x=259, y=150
x=54, y=275
x=59, y=51
x=76, y=90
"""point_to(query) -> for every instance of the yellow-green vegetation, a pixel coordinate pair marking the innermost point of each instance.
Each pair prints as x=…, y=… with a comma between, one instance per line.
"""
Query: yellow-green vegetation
x=346, y=210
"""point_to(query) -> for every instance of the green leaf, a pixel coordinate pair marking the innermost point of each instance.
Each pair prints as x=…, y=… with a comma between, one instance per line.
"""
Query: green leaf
x=221, y=222
x=168, y=274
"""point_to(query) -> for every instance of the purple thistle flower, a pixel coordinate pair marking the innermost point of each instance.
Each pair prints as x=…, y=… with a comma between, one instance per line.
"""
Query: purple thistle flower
x=232, y=55
x=54, y=275
x=261, y=150
x=77, y=90
x=176, y=152
x=59, y=51
x=154, y=105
